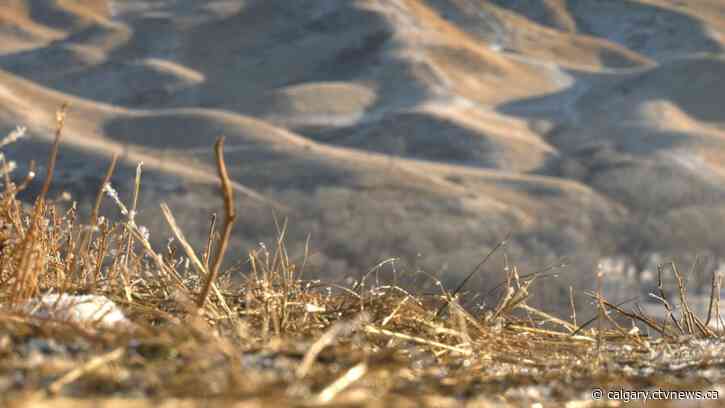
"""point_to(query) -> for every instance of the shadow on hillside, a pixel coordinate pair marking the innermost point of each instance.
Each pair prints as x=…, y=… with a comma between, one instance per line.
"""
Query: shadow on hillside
x=654, y=31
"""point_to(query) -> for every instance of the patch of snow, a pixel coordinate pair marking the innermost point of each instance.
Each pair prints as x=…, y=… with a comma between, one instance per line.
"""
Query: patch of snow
x=529, y=393
x=84, y=309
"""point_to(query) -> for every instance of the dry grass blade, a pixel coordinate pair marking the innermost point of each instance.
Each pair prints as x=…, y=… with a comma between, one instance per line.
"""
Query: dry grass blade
x=689, y=318
x=101, y=192
x=402, y=336
x=230, y=215
x=591, y=320
x=515, y=296
x=572, y=305
x=29, y=177
x=338, y=329
x=209, y=241
x=93, y=224
x=91, y=365
x=60, y=122
x=634, y=316
x=663, y=299
x=341, y=384
x=131, y=223
x=602, y=304
x=198, y=265
x=465, y=280
x=26, y=283
x=549, y=318
x=715, y=287
x=392, y=314
x=551, y=333
x=179, y=234
x=157, y=258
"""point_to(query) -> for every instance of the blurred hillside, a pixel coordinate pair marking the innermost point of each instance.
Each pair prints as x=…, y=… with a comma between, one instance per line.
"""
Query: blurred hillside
x=419, y=129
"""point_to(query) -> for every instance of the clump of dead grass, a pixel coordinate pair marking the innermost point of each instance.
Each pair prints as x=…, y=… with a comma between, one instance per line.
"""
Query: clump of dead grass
x=274, y=338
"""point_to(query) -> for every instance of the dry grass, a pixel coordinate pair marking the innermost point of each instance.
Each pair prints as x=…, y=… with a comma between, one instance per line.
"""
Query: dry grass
x=274, y=338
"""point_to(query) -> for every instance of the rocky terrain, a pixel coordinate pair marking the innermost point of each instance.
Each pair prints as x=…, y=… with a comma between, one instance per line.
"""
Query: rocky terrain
x=421, y=129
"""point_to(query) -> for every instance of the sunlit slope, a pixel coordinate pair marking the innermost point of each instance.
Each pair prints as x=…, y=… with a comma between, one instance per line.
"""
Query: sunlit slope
x=388, y=128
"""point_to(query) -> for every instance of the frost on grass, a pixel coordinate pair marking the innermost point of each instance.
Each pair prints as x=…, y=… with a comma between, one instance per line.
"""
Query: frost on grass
x=13, y=136
x=83, y=309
